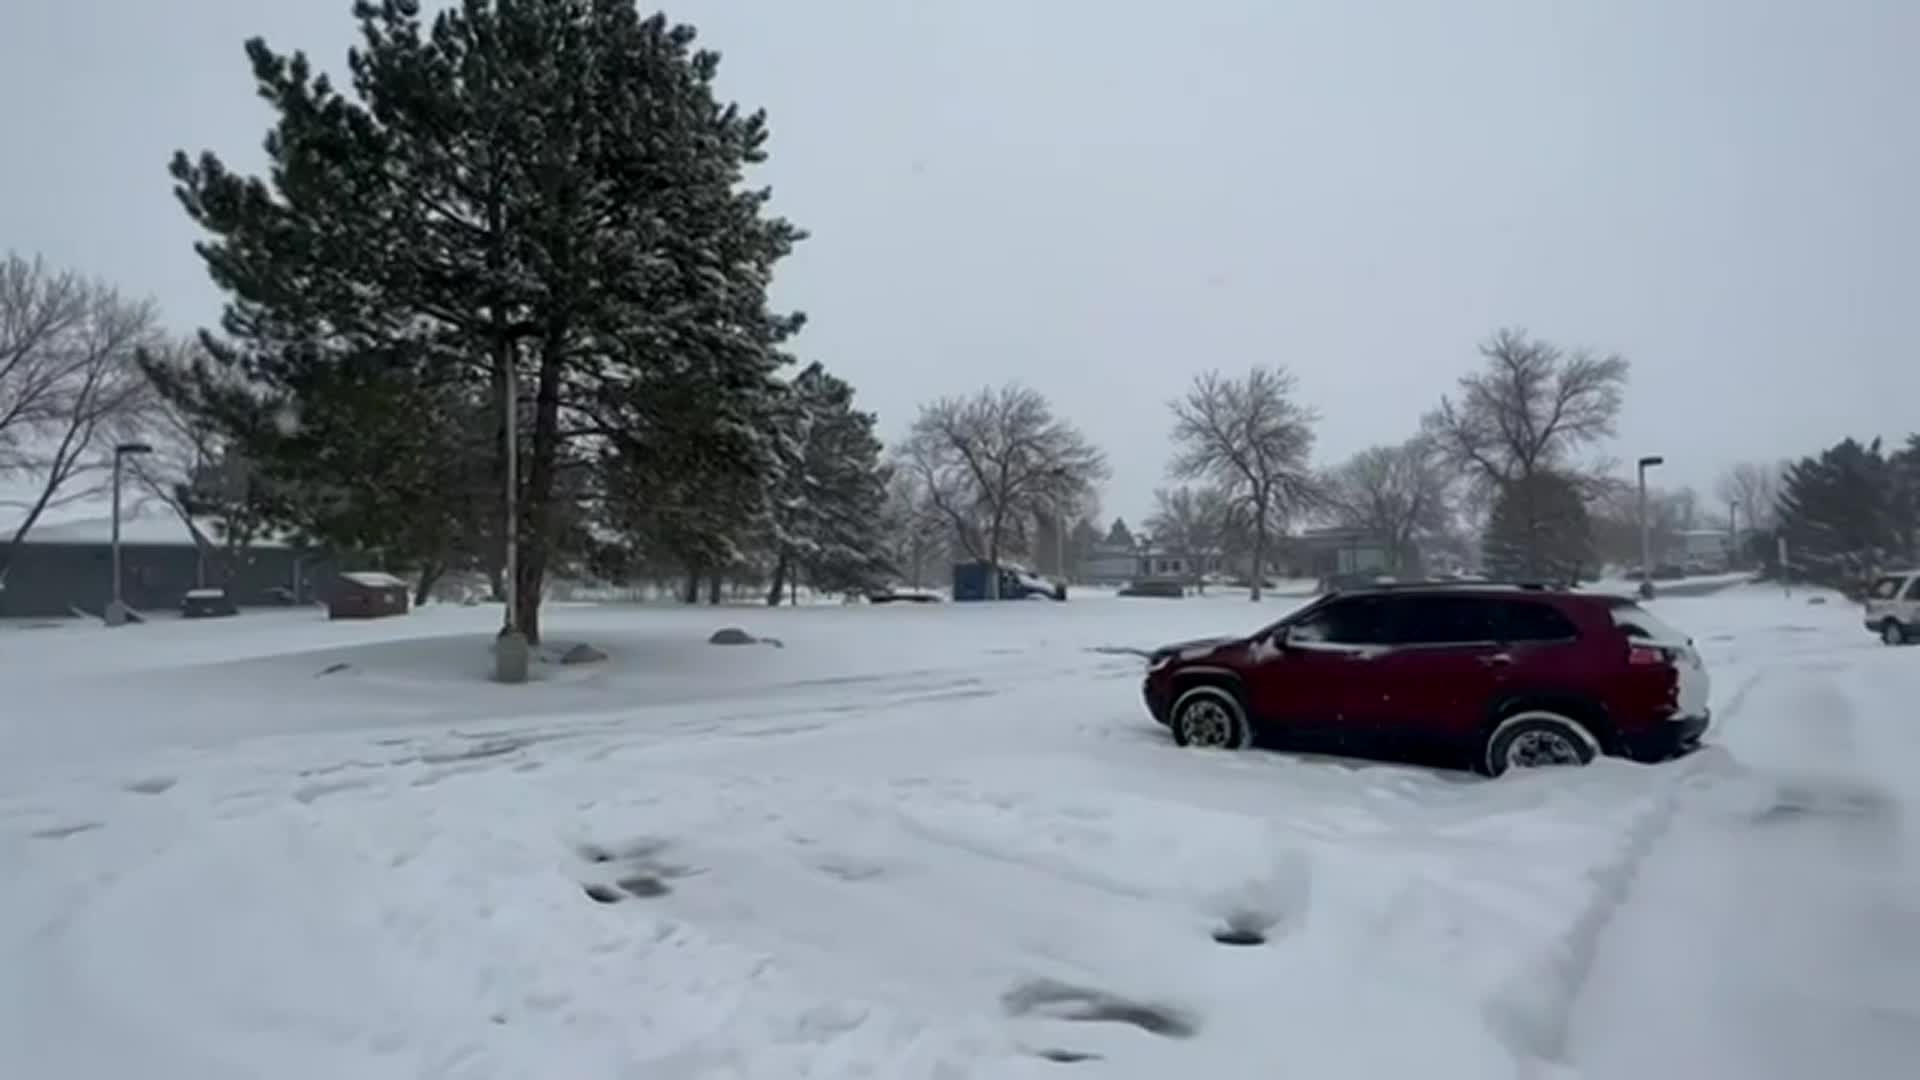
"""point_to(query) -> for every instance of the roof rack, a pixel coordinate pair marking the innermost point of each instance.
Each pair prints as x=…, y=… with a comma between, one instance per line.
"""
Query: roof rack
x=1392, y=586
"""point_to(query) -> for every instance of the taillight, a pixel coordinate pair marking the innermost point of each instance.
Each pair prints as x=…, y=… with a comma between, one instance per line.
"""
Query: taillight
x=1644, y=655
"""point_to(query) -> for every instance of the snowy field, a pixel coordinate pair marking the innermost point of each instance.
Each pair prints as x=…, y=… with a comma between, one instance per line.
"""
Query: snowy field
x=918, y=842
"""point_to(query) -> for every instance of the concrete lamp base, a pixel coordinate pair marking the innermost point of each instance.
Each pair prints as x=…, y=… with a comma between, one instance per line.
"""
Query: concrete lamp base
x=510, y=657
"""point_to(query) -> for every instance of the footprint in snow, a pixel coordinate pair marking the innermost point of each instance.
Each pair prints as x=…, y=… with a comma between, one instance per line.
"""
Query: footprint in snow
x=1050, y=999
x=61, y=832
x=152, y=785
x=643, y=877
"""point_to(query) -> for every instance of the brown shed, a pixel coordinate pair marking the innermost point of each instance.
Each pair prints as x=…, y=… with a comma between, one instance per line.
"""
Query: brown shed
x=368, y=594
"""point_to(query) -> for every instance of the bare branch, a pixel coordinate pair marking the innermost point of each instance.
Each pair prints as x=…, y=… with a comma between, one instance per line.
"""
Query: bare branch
x=994, y=461
x=70, y=385
x=1253, y=440
x=1393, y=493
x=1529, y=410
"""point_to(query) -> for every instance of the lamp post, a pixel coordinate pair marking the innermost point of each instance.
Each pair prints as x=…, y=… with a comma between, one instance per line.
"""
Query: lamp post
x=510, y=648
x=116, y=613
x=1646, y=527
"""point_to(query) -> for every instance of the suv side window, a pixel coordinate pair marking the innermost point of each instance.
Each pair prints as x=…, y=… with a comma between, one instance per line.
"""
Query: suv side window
x=1442, y=620
x=1361, y=620
x=1913, y=587
x=1522, y=621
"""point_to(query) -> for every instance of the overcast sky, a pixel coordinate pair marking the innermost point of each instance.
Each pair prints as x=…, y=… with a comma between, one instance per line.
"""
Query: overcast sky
x=1100, y=199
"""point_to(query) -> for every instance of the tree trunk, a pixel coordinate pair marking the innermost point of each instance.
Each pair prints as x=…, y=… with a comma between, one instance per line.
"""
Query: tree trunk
x=779, y=581
x=993, y=559
x=1259, y=548
x=713, y=590
x=430, y=574
x=536, y=539
x=690, y=592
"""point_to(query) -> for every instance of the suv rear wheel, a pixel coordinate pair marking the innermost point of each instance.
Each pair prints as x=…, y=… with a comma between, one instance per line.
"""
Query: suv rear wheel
x=1211, y=718
x=1537, y=738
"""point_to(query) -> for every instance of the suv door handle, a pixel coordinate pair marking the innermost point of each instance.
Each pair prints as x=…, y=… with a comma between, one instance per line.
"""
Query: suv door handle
x=1498, y=659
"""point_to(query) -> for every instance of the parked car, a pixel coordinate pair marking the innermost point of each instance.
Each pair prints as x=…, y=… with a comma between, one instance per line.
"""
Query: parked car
x=1893, y=607
x=1158, y=588
x=890, y=595
x=1502, y=676
x=207, y=604
x=972, y=581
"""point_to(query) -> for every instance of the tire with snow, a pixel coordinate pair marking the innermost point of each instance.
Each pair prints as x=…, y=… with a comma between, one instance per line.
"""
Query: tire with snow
x=1893, y=633
x=1211, y=718
x=1537, y=738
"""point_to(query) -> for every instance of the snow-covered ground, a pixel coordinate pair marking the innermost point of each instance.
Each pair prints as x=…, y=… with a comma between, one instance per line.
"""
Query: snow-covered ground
x=933, y=841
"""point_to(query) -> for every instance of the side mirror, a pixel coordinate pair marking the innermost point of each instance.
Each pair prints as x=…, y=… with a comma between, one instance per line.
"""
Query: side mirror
x=1278, y=637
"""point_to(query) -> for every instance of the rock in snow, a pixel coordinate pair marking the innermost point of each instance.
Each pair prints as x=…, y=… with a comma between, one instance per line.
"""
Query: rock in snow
x=730, y=635
x=582, y=653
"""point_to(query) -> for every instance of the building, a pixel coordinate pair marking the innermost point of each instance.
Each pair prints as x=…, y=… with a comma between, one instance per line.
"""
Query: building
x=1709, y=549
x=1334, y=553
x=67, y=567
x=1108, y=565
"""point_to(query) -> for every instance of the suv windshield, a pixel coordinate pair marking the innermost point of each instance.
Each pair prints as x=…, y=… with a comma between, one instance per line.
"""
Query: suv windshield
x=1887, y=588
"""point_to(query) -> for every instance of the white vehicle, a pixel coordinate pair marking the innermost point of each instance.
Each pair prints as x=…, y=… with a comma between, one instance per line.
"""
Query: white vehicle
x=1893, y=607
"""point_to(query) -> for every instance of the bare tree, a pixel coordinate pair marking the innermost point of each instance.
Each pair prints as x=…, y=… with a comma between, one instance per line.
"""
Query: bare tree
x=916, y=527
x=1752, y=489
x=994, y=461
x=1250, y=437
x=1192, y=524
x=70, y=385
x=189, y=470
x=39, y=311
x=1529, y=410
x=1394, y=494
x=1525, y=415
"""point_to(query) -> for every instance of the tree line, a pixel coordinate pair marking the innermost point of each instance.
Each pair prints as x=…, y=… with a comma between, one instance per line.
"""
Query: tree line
x=540, y=210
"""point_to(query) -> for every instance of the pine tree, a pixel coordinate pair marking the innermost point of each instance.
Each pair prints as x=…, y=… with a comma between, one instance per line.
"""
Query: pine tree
x=1539, y=530
x=1842, y=516
x=829, y=492
x=1119, y=536
x=542, y=194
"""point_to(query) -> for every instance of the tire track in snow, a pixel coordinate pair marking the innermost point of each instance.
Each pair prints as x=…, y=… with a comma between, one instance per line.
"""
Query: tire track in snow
x=1774, y=931
x=1537, y=1014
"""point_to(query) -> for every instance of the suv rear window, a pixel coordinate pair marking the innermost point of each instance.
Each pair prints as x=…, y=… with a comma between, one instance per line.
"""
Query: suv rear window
x=1887, y=588
x=1522, y=621
x=1638, y=622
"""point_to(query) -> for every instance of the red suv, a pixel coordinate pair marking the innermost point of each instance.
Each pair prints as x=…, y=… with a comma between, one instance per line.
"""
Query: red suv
x=1506, y=675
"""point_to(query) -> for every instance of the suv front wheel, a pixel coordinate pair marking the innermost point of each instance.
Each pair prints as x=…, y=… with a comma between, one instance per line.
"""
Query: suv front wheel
x=1211, y=718
x=1537, y=738
x=1893, y=633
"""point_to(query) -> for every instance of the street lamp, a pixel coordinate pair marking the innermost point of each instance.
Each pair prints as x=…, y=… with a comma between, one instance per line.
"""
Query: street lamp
x=116, y=614
x=1646, y=527
x=510, y=647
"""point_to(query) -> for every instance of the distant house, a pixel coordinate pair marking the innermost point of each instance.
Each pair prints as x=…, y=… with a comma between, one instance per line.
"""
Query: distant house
x=1113, y=565
x=67, y=567
x=1108, y=565
x=1184, y=566
x=1708, y=548
x=1335, y=553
